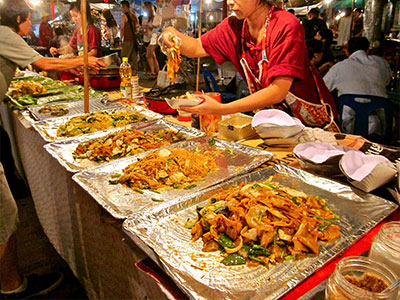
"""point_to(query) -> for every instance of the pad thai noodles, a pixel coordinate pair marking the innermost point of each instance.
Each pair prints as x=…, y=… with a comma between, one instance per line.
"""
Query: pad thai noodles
x=263, y=223
x=169, y=168
x=96, y=121
x=174, y=59
x=125, y=143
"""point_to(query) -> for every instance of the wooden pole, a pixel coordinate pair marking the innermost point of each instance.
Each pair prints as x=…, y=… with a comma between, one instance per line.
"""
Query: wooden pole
x=198, y=60
x=85, y=57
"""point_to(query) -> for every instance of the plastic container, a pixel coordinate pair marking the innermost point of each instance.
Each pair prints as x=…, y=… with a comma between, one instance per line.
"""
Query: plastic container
x=235, y=128
x=338, y=287
x=135, y=86
x=125, y=71
x=385, y=247
x=209, y=123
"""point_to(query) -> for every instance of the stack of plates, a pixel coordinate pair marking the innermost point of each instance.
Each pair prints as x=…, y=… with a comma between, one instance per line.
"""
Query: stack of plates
x=276, y=127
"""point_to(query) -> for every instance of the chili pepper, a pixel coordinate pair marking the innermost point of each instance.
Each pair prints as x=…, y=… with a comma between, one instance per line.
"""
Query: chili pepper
x=225, y=241
x=233, y=259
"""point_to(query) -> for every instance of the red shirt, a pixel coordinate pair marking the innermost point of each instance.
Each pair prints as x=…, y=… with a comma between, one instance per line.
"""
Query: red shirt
x=286, y=51
x=45, y=34
x=93, y=36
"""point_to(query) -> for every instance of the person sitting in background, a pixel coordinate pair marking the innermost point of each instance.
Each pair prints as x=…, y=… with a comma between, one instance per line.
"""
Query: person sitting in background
x=112, y=28
x=359, y=74
x=313, y=24
x=59, y=40
x=328, y=59
x=357, y=28
x=76, y=42
x=45, y=31
x=314, y=48
x=344, y=29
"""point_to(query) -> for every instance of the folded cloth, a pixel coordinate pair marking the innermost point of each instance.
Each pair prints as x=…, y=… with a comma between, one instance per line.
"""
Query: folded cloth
x=317, y=135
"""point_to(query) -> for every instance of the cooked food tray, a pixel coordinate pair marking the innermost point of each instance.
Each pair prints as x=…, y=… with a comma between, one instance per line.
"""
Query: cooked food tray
x=63, y=150
x=121, y=201
x=48, y=128
x=73, y=107
x=202, y=275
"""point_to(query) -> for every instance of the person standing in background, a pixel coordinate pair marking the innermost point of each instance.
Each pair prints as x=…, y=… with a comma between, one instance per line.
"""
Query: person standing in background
x=45, y=31
x=150, y=39
x=344, y=29
x=357, y=28
x=129, y=35
x=112, y=27
x=314, y=24
x=76, y=42
x=328, y=59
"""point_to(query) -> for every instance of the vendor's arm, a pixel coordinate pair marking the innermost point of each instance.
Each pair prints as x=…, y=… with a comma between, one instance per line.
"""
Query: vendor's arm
x=190, y=47
x=273, y=94
x=48, y=64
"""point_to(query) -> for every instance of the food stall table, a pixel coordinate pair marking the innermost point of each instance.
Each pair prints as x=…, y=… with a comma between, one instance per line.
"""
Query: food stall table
x=93, y=243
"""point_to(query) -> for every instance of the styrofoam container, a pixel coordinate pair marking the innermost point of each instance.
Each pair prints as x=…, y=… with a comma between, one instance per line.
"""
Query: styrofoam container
x=322, y=158
x=274, y=123
x=367, y=172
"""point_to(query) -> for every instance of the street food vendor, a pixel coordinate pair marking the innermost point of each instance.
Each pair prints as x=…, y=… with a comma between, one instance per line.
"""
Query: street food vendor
x=15, y=22
x=76, y=42
x=266, y=45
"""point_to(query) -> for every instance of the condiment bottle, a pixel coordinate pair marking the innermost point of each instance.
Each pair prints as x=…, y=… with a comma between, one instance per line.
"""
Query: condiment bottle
x=125, y=72
x=385, y=247
x=338, y=287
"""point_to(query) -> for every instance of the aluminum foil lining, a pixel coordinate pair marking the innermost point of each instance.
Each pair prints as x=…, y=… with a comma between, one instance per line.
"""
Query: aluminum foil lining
x=74, y=108
x=62, y=150
x=202, y=276
x=121, y=201
x=48, y=128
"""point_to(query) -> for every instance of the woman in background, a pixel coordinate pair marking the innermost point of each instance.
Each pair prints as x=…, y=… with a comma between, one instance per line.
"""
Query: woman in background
x=76, y=42
x=112, y=27
x=150, y=39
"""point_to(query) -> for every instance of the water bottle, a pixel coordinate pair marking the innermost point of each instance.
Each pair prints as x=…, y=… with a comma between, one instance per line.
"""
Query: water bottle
x=125, y=72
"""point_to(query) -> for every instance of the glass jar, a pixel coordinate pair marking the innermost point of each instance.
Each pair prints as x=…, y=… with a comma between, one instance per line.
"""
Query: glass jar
x=385, y=247
x=338, y=287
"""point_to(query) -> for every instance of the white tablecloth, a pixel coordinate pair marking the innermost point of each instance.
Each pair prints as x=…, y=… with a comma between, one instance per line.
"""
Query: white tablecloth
x=91, y=241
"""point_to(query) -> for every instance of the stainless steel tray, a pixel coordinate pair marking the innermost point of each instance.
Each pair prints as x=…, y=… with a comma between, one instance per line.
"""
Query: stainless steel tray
x=121, y=201
x=62, y=150
x=202, y=276
x=48, y=128
x=74, y=108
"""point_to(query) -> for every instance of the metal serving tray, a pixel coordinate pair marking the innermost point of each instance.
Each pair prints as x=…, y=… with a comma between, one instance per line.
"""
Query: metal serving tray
x=48, y=128
x=62, y=150
x=202, y=276
x=74, y=108
x=121, y=201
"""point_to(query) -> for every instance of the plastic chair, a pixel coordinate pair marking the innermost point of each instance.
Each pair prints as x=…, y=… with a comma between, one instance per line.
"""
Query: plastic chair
x=364, y=109
x=210, y=80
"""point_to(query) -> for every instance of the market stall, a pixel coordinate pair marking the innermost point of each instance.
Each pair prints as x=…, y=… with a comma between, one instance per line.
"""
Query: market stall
x=107, y=255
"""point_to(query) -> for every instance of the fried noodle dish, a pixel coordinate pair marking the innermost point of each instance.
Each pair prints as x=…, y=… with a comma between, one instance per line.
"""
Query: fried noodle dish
x=97, y=121
x=263, y=223
x=29, y=87
x=174, y=59
x=169, y=168
x=125, y=143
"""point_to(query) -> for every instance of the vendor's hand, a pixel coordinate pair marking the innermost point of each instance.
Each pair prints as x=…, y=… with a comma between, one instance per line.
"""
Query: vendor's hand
x=208, y=106
x=53, y=51
x=75, y=72
x=95, y=63
x=165, y=39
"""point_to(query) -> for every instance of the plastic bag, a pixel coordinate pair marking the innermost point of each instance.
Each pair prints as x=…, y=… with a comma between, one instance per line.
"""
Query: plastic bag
x=157, y=20
x=168, y=11
x=162, y=78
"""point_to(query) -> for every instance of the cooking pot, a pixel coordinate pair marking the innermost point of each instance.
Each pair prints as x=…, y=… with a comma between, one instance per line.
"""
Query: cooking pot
x=155, y=98
x=106, y=78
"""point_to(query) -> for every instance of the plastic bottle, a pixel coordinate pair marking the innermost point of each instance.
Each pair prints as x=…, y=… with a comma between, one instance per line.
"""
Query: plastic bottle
x=135, y=86
x=125, y=72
